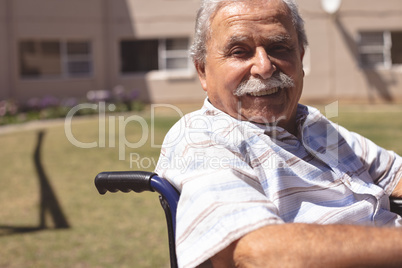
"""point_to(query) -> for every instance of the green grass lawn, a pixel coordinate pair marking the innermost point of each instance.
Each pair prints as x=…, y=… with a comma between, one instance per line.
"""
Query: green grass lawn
x=115, y=230
x=381, y=124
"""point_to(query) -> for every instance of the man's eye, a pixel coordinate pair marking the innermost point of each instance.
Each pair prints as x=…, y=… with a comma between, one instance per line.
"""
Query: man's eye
x=280, y=48
x=238, y=52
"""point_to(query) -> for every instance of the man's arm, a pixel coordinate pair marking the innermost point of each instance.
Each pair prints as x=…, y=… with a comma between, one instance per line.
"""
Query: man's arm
x=310, y=245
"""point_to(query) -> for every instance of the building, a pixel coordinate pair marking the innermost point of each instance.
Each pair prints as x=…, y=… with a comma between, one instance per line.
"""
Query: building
x=69, y=48
x=355, y=54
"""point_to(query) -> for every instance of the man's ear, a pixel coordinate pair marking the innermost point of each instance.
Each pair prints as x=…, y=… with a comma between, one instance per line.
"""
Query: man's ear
x=302, y=53
x=200, y=67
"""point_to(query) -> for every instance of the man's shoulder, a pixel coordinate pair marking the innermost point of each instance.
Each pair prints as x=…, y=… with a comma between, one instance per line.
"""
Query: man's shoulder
x=210, y=128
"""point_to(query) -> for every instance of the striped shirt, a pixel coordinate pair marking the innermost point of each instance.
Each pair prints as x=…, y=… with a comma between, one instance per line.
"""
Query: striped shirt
x=236, y=176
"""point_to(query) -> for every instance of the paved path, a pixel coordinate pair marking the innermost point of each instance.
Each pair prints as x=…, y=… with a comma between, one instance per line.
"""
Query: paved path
x=31, y=125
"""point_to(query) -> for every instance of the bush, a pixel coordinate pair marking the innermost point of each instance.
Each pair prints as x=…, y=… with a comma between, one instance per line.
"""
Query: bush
x=50, y=107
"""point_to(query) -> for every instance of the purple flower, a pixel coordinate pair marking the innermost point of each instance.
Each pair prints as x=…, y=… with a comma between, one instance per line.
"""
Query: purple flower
x=49, y=101
x=134, y=93
x=69, y=102
x=98, y=95
x=33, y=103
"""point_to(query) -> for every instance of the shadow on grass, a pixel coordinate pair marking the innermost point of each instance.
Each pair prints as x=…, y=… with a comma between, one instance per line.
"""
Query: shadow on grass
x=48, y=200
x=10, y=230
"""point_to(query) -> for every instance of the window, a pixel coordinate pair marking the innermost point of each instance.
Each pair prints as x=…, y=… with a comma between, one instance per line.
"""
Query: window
x=53, y=58
x=380, y=49
x=173, y=54
x=139, y=56
x=156, y=54
x=78, y=58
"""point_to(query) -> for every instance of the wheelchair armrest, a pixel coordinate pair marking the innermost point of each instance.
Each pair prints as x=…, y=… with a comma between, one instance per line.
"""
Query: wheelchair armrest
x=396, y=205
x=125, y=181
x=139, y=181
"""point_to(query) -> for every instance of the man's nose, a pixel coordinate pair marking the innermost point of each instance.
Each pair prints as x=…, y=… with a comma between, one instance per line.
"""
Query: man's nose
x=262, y=65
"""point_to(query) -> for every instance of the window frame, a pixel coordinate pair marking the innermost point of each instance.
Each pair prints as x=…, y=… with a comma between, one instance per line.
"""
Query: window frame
x=64, y=59
x=385, y=49
x=163, y=55
x=67, y=59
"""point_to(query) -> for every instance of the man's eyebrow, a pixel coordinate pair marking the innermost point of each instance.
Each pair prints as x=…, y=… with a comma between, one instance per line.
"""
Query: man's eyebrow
x=235, y=39
x=280, y=38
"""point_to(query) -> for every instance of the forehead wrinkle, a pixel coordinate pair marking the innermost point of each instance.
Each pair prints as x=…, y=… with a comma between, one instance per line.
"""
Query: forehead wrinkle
x=237, y=15
x=238, y=19
x=234, y=19
x=252, y=11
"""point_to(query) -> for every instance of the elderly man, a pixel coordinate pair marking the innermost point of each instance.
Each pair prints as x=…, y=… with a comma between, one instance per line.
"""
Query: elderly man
x=264, y=180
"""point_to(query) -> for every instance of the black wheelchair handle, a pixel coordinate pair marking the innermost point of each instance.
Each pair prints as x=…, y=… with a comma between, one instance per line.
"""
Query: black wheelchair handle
x=125, y=181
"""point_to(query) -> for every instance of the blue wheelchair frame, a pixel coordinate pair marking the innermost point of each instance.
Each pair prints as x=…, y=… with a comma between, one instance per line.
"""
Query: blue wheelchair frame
x=139, y=181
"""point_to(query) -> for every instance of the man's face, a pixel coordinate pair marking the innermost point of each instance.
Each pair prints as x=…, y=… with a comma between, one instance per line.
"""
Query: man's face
x=254, y=40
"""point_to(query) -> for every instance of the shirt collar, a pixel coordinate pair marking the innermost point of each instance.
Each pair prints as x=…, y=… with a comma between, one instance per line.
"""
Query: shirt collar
x=301, y=116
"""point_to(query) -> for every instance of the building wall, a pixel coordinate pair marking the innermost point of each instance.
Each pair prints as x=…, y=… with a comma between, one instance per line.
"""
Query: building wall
x=105, y=23
x=3, y=50
x=333, y=72
x=174, y=18
x=59, y=20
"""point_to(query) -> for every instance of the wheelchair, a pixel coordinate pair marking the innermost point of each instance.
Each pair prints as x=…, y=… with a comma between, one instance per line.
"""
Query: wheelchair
x=139, y=181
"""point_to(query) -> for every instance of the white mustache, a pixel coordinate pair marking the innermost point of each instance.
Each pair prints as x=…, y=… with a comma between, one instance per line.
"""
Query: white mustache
x=254, y=85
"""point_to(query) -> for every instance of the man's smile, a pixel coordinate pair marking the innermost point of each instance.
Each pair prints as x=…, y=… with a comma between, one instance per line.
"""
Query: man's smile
x=264, y=92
